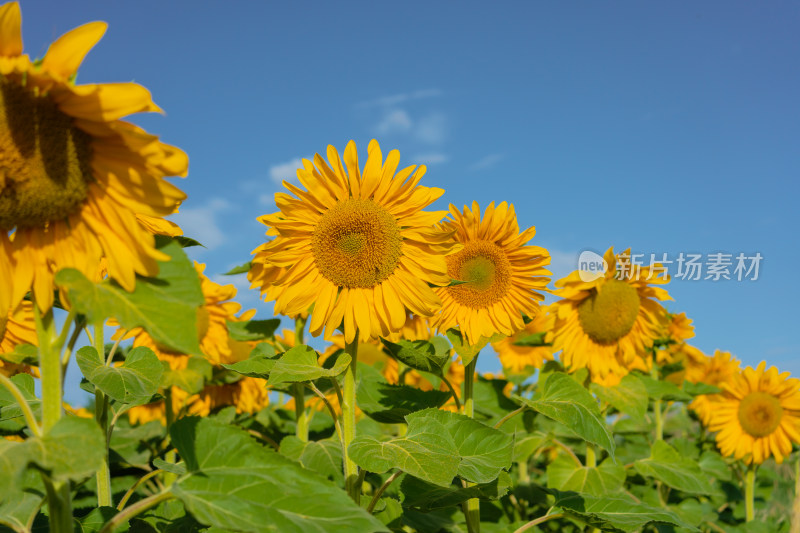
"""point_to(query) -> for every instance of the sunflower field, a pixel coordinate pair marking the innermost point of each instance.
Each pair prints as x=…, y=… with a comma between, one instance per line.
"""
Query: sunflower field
x=204, y=418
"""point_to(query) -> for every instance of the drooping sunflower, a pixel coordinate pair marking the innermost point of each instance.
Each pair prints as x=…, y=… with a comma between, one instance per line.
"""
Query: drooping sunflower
x=355, y=244
x=78, y=184
x=16, y=328
x=716, y=370
x=247, y=394
x=607, y=324
x=758, y=415
x=502, y=274
x=517, y=359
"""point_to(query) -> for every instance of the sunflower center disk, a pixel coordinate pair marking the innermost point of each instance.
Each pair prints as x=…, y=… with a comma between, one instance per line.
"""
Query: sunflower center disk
x=760, y=413
x=357, y=244
x=44, y=161
x=610, y=313
x=485, y=269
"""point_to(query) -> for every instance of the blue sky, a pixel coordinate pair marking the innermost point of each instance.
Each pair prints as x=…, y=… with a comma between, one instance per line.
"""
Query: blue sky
x=665, y=127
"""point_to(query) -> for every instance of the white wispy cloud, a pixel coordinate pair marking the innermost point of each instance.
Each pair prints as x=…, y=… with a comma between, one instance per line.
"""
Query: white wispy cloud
x=201, y=223
x=285, y=171
x=394, y=121
x=432, y=128
x=433, y=158
x=487, y=161
x=395, y=99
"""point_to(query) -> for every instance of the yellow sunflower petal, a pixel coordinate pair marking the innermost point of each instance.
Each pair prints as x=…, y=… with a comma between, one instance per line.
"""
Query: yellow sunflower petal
x=66, y=54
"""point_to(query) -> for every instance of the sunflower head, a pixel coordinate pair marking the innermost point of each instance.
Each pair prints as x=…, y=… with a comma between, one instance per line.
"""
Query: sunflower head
x=520, y=359
x=78, y=186
x=355, y=243
x=607, y=324
x=501, y=276
x=758, y=415
x=17, y=327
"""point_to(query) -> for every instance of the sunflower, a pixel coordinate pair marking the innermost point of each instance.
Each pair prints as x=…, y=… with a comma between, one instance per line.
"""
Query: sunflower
x=247, y=394
x=78, y=184
x=608, y=324
x=674, y=349
x=355, y=244
x=500, y=272
x=758, y=415
x=517, y=359
x=717, y=370
x=15, y=329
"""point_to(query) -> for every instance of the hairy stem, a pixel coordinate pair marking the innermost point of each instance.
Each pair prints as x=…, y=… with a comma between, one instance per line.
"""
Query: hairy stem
x=298, y=391
x=749, y=492
x=472, y=508
x=349, y=420
x=538, y=521
x=30, y=419
x=138, y=507
x=101, y=415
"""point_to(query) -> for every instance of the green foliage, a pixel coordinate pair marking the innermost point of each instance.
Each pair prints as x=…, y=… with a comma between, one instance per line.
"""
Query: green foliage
x=420, y=355
x=389, y=403
x=135, y=382
x=253, y=330
x=629, y=396
x=668, y=466
x=235, y=483
x=566, y=475
x=165, y=307
x=564, y=400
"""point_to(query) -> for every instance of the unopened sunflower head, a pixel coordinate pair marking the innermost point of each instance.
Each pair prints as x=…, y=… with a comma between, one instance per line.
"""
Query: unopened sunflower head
x=78, y=184
x=609, y=323
x=355, y=243
x=758, y=415
x=502, y=276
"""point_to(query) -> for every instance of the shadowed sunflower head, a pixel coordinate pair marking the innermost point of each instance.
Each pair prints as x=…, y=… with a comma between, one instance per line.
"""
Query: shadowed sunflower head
x=717, y=370
x=354, y=243
x=16, y=328
x=522, y=359
x=758, y=415
x=77, y=184
x=501, y=275
x=607, y=324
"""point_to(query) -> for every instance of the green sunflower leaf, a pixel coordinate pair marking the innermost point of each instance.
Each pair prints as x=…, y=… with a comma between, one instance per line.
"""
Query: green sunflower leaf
x=667, y=465
x=192, y=378
x=260, y=363
x=389, y=403
x=323, y=457
x=419, y=355
x=24, y=501
x=484, y=451
x=664, y=390
x=565, y=474
x=427, y=497
x=234, y=483
x=253, y=330
x=615, y=513
x=135, y=382
x=427, y=451
x=568, y=402
x=10, y=411
x=629, y=396
x=241, y=269
x=300, y=364
x=468, y=351
x=165, y=307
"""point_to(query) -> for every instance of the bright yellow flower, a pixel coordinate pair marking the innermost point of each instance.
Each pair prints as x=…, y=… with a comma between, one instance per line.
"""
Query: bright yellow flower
x=521, y=359
x=758, y=415
x=502, y=274
x=78, y=184
x=16, y=328
x=608, y=324
x=355, y=244
x=717, y=370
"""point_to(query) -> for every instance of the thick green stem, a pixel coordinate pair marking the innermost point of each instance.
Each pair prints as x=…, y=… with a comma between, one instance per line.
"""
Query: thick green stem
x=101, y=415
x=50, y=368
x=749, y=492
x=349, y=421
x=59, y=504
x=298, y=390
x=472, y=508
x=59, y=498
x=657, y=405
